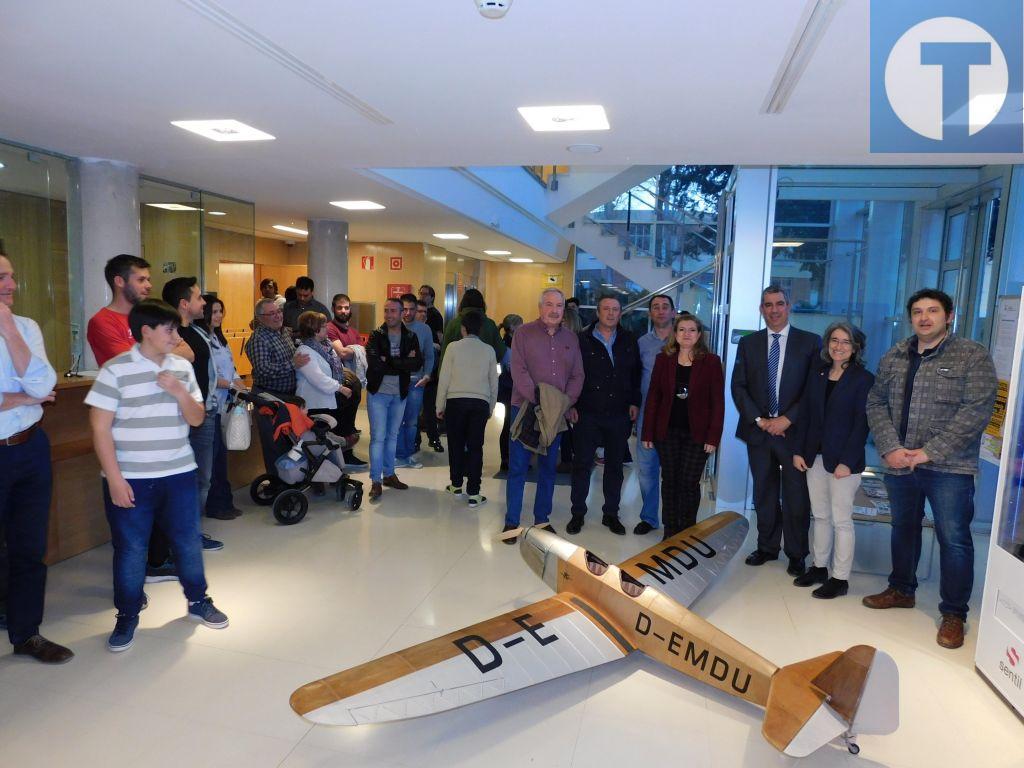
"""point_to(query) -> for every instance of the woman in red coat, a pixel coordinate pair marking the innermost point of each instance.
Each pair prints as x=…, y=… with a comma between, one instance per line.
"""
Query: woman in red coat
x=683, y=418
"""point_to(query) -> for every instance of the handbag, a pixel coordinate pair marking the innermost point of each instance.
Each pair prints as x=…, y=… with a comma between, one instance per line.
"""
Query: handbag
x=237, y=428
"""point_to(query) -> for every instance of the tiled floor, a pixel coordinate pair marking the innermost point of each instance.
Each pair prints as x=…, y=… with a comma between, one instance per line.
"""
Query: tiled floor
x=343, y=587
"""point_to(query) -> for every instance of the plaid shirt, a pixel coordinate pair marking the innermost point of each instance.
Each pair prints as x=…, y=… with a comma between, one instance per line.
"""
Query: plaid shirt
x=271, y=353
x=950, y=406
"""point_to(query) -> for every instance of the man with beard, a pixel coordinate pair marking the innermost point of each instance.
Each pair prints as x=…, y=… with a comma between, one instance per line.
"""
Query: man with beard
x=343, y=338
x=108, y=333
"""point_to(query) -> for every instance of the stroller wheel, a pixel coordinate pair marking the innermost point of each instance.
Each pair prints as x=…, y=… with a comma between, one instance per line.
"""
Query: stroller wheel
x=265, y=488
x=290, y=507
x=357, y=499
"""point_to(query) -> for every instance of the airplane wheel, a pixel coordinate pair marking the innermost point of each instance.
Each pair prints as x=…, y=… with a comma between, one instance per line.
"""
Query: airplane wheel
x=264, y=489
x=290, y=507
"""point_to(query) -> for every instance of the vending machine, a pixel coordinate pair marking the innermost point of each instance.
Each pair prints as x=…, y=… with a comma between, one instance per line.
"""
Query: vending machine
x=1000, y=650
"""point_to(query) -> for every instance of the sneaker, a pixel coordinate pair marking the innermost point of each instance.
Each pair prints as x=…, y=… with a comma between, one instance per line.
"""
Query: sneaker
x=204, y=611
x=166, y=572
x=476, y=500
x=211, y=545
x=123, y=636
x=454, y=489
x=411, y=463
x=351, y=460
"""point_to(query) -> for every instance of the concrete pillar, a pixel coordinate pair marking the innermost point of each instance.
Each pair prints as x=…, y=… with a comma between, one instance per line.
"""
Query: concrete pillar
x=328, y=257
x=754, y=216
x=103, y=221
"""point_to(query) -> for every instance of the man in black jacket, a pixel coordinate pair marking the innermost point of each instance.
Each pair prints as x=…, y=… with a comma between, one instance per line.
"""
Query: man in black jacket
x=767, y=386
x=609, y=402
x=392, y=354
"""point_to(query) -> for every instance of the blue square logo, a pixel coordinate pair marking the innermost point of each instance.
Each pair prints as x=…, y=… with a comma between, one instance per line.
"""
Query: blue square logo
x=946, y=76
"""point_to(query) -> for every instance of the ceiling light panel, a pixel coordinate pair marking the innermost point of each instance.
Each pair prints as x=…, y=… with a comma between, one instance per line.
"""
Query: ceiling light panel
x=451, y=236
x=585, y=117
x=292, y=230
x=223, y=130
x=172, y=206
x=358, y=205
x=498, y=253
x=521, y=261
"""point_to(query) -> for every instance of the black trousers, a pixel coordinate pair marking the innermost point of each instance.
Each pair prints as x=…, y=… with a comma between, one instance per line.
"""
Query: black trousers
x=682, y=466
x=592, y=430
x=428, y=414
x=347, y=408
x=780, y=499
x=26, y=486
x=566, y=448
x=506, y=432
x=466, y=418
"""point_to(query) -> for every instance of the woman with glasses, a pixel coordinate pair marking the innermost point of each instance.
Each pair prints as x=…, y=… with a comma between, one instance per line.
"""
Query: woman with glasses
x=683, y=418
x=831, y=434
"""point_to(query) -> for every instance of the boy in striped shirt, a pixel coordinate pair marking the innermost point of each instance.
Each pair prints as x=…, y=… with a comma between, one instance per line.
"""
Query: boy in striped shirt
x=143, y=403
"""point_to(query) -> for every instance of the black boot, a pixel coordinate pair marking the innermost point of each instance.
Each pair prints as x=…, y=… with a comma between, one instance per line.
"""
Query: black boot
x=811, y=577
x=832, y=588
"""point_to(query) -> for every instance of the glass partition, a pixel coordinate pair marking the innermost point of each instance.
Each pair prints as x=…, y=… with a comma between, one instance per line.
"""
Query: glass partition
x=229, y=254
x=33, y=226
x=171, y=223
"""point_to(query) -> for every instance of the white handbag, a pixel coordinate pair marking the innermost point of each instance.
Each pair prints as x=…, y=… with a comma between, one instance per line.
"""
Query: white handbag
x=237, y=428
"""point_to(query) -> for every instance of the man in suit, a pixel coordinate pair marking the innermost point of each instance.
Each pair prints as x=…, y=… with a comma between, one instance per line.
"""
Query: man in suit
x=767, y=385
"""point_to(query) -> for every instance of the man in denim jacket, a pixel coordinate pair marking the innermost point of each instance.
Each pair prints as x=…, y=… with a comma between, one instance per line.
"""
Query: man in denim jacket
x=931, y=401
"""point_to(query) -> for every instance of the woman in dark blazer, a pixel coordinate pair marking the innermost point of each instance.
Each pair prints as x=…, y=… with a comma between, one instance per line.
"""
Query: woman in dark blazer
x=683, y=418
x=831, y=435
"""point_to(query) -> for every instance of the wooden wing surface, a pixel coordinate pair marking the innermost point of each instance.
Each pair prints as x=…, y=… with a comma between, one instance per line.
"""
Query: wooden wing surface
x=683, y=566
x=517, y=649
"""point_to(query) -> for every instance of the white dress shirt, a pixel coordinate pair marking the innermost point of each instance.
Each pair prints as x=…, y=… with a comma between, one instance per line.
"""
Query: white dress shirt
x=782, y=356
x=38, y=381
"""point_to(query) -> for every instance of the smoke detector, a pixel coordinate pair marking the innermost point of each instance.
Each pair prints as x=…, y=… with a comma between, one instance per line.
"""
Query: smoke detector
x=493, y=9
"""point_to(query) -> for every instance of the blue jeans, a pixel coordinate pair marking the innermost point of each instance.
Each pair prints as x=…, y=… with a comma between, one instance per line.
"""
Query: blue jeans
x=219, y=498
x=518, y=464
x=951, y=497
x=202, y=439
x=172, y=502
x=410, y=423
x=649, y=469
x=385, y=412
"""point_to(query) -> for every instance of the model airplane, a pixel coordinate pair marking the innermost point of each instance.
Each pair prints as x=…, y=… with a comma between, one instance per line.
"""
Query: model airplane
x=602, y=612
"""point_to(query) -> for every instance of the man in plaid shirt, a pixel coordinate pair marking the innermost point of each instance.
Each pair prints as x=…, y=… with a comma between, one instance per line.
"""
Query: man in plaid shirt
x=273, y=358
x=931, y=401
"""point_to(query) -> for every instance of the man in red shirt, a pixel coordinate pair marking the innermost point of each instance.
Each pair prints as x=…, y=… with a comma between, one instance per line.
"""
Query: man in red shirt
x=342, y=337
x=108, y=332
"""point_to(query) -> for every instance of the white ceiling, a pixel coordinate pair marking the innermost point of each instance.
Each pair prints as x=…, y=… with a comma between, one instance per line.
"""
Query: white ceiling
x=345, y=85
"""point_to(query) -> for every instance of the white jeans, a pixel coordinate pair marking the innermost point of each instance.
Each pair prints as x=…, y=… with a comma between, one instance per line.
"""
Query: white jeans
x=832, y=508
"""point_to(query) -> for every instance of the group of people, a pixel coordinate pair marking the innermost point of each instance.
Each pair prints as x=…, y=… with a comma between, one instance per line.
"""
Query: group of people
x=805, y=407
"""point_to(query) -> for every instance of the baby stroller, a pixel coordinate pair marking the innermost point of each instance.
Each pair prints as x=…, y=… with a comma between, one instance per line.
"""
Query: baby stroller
x=307, y=453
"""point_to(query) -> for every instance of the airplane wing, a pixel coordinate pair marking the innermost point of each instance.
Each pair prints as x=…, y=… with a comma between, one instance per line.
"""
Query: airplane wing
x=547, y=639
x=682, y=567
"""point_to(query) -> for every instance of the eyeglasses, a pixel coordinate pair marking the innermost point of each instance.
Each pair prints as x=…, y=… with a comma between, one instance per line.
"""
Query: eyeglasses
x=275, y=313
x=841, y=342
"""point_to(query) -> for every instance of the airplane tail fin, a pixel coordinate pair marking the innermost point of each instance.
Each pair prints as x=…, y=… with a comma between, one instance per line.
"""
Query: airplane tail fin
x=839, y=694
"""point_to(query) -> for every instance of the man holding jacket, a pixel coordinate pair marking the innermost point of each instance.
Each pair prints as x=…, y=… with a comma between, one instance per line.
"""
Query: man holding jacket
x=608, y=404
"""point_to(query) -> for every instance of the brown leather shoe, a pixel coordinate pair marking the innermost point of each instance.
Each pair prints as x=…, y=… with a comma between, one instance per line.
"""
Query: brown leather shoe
x=951, y=631
x=392, y=481
x=41, y=649
x=375, y=491
x=890, y=598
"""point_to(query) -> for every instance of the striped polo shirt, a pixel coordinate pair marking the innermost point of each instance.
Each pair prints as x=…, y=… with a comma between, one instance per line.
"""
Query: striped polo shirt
x=150, y=433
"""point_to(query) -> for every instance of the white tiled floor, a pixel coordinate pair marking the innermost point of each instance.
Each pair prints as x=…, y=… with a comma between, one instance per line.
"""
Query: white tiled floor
x=343, y=587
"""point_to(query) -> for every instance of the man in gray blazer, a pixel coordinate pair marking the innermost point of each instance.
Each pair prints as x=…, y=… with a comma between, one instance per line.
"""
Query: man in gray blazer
x=767, y=385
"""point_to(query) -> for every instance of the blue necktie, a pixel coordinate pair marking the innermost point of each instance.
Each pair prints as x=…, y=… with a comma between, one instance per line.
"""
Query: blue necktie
x=773, y=375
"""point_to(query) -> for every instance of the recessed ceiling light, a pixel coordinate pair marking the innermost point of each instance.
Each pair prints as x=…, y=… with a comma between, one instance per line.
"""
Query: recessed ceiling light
x=217, y=213
x=173, y=206
x=358, y=205
x=293, y=230
x=787, y=244
x=584, y=149
x=223, y=130
x=498, y=253
x=521, y=261
x=2, y=165
x=451, y=236
x=586, y=117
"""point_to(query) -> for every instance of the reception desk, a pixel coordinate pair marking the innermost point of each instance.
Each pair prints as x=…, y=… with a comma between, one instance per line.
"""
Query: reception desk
x=77, y=519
